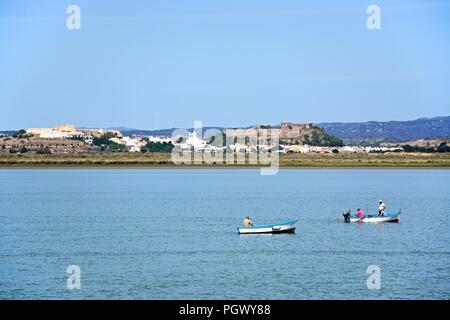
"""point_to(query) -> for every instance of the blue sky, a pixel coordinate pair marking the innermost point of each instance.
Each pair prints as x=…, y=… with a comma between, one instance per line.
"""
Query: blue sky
x=157, y=64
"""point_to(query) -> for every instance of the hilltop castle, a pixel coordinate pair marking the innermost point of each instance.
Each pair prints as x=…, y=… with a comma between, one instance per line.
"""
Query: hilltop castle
x=288, y=132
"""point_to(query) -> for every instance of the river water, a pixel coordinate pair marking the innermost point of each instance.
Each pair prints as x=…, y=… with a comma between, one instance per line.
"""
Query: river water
x=171, y=234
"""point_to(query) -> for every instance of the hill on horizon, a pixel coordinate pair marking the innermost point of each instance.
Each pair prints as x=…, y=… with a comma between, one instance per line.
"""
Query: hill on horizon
x=350, y=132
x=397, y=131
x=353, y=132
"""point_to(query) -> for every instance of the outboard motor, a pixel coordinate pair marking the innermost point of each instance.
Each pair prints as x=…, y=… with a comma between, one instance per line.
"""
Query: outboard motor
x=346, y=215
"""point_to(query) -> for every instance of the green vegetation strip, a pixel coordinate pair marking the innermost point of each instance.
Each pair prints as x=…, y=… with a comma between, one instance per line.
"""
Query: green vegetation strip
x=149, y=159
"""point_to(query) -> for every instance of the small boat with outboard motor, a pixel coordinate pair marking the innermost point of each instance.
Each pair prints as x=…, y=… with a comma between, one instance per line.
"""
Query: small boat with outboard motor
x=386, y=217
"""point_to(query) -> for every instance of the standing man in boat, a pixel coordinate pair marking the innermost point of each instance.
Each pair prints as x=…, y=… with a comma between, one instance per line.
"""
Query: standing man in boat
x=381, y=208
x=247, y=222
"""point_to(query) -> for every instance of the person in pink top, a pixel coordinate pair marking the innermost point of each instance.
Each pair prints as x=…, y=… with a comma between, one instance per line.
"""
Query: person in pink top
x=360, y=213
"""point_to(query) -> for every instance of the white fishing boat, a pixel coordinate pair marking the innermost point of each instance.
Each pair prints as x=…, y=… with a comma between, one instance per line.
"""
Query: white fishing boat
x=386, y=217
x=281, y=227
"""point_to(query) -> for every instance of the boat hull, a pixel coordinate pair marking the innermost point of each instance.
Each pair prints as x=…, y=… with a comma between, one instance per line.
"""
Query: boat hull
x=284, y=227
x=393, y=217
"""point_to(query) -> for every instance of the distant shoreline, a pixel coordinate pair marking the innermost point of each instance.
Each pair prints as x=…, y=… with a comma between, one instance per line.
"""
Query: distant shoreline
x=222, y=167
x=286, y=161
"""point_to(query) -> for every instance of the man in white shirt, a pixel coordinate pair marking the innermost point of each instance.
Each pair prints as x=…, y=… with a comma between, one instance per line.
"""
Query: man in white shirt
x=381, y=208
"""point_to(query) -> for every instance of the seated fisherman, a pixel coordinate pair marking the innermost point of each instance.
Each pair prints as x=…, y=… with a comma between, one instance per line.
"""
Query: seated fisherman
x=247, y=222
x=360, y=213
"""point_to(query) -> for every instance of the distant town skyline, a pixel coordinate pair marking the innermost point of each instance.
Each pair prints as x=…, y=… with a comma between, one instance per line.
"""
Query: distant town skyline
x=119, y=127
x=157, y=65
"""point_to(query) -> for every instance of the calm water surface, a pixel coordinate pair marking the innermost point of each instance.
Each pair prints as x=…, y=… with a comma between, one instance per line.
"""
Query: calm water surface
x=171, y=234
